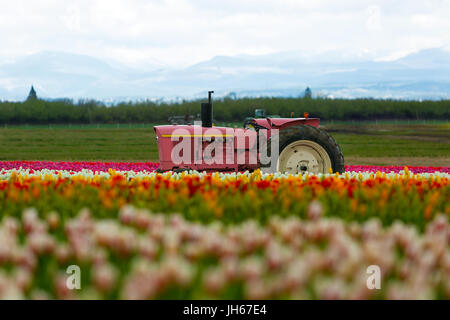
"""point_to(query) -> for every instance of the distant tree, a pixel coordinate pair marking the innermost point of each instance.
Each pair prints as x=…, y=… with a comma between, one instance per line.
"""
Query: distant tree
x=32, y=95
x=90, y=111
x=232, y=95
x=308, y=93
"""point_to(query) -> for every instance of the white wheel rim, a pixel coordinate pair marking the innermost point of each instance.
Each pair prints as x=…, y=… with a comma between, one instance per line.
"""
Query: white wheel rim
x=304, y=156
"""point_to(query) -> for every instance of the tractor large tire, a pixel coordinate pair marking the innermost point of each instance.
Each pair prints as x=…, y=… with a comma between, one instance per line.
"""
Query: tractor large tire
x=306, y=149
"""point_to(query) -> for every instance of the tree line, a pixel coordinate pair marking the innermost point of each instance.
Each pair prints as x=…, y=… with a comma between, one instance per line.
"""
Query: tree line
x=225, y=110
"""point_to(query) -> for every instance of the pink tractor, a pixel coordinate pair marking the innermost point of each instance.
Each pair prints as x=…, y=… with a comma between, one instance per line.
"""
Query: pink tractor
x=286, y=145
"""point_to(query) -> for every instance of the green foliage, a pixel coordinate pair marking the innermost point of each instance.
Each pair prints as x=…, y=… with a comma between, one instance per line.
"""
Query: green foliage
x=89, y=111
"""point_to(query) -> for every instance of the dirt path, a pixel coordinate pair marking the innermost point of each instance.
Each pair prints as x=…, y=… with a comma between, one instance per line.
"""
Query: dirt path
x=399, y=161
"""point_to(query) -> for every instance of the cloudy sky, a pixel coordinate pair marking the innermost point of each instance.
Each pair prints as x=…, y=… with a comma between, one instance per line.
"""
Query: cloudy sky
x=143, y=33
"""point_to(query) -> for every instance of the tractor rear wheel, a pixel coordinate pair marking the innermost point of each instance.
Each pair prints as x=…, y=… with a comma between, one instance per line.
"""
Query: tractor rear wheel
x=307, y=149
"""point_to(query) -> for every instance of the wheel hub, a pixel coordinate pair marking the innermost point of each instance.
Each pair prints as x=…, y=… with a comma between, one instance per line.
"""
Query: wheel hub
x=304, y=156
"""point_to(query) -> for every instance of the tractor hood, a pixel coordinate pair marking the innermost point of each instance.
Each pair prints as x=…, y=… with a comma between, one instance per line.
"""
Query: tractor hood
x=280, y=123
x=170, y=135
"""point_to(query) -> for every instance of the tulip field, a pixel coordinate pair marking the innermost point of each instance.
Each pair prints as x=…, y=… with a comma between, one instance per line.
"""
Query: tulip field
x=138, y=234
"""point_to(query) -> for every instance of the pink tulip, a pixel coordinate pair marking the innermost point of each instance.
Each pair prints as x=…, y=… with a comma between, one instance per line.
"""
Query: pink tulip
x=76, y=166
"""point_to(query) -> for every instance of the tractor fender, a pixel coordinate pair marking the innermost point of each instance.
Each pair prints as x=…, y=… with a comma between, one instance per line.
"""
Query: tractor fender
x=281, y=123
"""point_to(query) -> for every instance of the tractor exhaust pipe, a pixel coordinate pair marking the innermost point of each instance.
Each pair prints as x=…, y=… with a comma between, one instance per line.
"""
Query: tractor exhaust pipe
x=207, y=112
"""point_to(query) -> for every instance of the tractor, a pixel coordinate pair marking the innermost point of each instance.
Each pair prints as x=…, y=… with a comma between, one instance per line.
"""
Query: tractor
x=286, y=145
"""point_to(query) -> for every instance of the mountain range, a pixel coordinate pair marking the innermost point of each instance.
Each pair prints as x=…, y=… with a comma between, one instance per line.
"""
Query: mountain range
x=421, y=75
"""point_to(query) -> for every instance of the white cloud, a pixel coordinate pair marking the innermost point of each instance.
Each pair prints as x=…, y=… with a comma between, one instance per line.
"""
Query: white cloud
x=373, y=18
x=182, y=32
x=72, y=19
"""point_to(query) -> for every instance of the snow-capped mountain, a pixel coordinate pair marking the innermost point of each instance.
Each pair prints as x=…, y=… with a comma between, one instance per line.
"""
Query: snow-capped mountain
x=421, y=75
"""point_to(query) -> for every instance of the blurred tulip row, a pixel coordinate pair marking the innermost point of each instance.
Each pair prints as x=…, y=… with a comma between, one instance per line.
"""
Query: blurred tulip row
x=144, y=255
x=137, y=234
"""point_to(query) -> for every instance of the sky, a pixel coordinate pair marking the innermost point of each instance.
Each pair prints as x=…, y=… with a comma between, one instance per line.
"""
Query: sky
x=177, y=33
